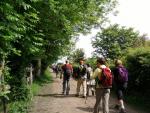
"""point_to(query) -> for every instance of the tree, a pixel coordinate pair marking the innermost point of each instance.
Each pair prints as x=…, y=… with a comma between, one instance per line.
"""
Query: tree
x=147, y=43
x=92, y=62
x=138, y=63
x=42, y=30
x=60, y=21
x=76, y=55
x=114, y=41
x=20, y=42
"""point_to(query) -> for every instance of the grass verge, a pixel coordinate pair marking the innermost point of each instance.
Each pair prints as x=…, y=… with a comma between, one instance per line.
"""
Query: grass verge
x=39, y=82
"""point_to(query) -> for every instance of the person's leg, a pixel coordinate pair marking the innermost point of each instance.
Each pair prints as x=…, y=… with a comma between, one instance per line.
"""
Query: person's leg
x=78, y=87
x=120, y=100
x=122, y=110
x=98, y=99
x=56, y=74
x=120, y=96
x=88, y=88
x=84, y=87
x=61, y=74
x=64, y=85
x=68, y=86
x=117, y=106
x=105, y=98
x=92, y=90
x=121, y=104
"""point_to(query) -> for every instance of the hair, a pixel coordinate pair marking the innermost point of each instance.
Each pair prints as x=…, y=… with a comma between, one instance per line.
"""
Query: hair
x=101, y=61
x=118, y=62
x=67, y=61
x=88, y=65
x=81, y=59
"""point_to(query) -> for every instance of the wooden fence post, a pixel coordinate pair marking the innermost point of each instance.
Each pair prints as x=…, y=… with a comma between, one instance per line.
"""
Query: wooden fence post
x=29, y=75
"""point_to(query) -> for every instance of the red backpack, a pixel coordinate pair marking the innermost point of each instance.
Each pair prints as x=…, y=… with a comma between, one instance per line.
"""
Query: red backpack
x=67, y=69
x=106, y=78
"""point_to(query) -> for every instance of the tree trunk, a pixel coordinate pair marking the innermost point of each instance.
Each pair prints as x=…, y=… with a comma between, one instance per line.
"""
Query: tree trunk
x=4, y=105
x=38, y=68
x=44, y=66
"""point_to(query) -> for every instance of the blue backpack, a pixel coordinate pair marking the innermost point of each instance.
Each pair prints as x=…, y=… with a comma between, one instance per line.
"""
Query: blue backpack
x=122, y=74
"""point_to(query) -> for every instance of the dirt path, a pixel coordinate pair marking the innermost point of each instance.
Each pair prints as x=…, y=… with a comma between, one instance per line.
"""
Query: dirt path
x=50, y=100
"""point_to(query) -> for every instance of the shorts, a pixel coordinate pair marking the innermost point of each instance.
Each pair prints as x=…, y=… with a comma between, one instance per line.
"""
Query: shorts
x=121, y=88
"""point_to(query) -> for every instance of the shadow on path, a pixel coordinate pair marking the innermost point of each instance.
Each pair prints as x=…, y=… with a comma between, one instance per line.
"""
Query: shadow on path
x=90, y=109
x=56, y=95
x=87, y=109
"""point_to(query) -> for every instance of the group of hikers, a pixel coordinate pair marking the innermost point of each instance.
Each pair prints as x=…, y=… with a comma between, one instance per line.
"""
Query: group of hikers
x=99, y=81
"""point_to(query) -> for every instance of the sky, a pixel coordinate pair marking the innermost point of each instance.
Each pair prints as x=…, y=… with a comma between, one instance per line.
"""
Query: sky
x=132, y=13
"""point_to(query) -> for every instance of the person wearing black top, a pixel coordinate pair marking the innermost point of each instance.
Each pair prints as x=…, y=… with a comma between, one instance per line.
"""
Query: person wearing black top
x=82, y=77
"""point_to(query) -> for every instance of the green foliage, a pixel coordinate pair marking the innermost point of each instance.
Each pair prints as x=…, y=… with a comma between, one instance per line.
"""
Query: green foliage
x=19, y=93
x=63, y=20
x=42, y=29
x=147, y=43
x=18, y=107
x=4, y=94
x=92, y=62
x=141, y=103
x=45, y=78
x=114, y=41
x=21, y=106
x=39, y=82
x=76, y=55
x=138, y=62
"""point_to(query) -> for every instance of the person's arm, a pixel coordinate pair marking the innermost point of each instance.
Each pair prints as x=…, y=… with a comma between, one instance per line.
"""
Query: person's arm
x=115, y=74
x=96, y=73
x=71, y=68
x=91, y=72
x=62, y=67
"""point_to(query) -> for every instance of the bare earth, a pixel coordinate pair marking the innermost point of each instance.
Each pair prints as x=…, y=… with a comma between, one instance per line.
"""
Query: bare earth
x=50, y=100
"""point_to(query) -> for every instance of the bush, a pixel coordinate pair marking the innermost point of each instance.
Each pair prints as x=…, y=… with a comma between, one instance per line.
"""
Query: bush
x=18, y=107
x=138, y=63
x=22, y=103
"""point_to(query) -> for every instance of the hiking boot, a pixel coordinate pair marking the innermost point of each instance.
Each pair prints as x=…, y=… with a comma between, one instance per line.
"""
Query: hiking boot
x=77, y=95
x=92, y=93
x=83, y=96
x=87, y=94
x=122, y=110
